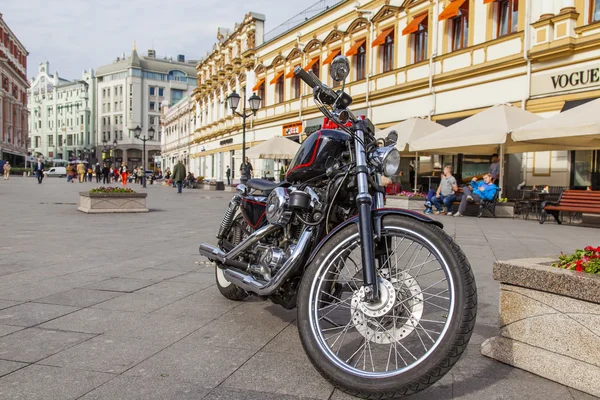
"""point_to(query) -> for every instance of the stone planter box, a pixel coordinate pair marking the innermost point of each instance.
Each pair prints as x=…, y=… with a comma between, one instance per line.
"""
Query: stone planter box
x=549, y=322
x=409, y=203
x=97, y=203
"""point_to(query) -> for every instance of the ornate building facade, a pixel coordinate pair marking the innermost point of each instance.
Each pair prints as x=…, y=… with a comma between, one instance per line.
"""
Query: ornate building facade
x=131, y=92
x=62, y=116
x=178, y=125
x=439, y=59
x=13, y=97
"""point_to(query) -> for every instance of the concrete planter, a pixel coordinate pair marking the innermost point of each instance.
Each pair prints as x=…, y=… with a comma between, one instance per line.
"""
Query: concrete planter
x=97, y=203
x=549, y=322
x=409, y=203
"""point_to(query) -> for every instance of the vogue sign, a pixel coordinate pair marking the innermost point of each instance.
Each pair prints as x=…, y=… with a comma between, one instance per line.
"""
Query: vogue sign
x=564, y=81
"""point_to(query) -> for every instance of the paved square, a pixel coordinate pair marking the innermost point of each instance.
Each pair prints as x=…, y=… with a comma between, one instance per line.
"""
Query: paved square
x=115, y=306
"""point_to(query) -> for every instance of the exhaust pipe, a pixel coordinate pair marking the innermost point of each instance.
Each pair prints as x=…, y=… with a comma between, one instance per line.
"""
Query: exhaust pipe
x=250, y=284
x=215, y=254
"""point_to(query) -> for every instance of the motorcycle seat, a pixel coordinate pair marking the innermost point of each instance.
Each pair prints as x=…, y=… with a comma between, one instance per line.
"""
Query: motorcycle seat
x=262, y=185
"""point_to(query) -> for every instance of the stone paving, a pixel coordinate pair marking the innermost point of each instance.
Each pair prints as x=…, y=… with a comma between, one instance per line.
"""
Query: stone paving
x=115, y=306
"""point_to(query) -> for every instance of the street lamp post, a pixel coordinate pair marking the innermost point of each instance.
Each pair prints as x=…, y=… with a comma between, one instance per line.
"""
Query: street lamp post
x=234, y=100
x=137, y=133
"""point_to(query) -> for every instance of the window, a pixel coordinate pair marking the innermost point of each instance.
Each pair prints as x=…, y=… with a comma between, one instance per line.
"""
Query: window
x=121, y=90
x=161, y=92
x=459, y=26
x=107, y=107
x=50, y=140
x=279, y=89
x=388, y=53
x=296, y=87
x=152, y=120
x=594, y=10
x=316, y=69
x=261, y=94
x=176, y=95
x=120, y=135
x=360, y=62
x=152, y=91
x=152, y=106
x=508, y=17
x=420, y=41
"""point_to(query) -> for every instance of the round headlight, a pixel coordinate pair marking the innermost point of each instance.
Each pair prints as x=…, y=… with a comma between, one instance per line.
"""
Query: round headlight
x=386, y=159
x=391, y=163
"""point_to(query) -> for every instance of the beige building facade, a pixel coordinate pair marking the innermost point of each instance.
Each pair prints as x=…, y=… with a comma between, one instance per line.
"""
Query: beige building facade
x=439, y=59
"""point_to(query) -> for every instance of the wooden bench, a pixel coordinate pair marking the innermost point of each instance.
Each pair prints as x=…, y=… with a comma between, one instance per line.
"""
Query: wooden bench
x=581, y=201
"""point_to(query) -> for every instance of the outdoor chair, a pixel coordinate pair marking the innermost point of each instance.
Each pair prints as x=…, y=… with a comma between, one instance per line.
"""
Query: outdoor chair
x=523, y=205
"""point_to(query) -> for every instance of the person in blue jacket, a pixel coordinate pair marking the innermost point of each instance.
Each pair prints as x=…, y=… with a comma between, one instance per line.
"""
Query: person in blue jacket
x=479, y=190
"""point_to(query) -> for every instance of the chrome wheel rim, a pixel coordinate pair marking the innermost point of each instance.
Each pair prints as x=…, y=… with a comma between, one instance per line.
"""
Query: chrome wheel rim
x=404, y=328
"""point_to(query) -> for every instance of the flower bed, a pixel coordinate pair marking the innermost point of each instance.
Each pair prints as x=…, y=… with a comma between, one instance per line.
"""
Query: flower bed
x=586, y=260
x=111, y=189
x=112, y=200
x=550, y=318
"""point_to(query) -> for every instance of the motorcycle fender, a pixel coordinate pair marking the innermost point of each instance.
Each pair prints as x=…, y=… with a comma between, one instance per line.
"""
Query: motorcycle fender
x=379, y=213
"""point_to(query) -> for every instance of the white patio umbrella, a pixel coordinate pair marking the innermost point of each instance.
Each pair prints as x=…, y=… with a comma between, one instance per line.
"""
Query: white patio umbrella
x=484, y=133
x=277, y=148
x=578, y=127
x=411, y=129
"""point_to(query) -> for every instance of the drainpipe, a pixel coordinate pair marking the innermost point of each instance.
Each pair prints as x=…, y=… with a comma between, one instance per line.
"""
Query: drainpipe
x=433, y=55
x=526, y=45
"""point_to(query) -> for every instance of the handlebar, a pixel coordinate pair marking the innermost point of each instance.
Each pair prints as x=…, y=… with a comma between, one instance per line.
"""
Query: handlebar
x=310, y=79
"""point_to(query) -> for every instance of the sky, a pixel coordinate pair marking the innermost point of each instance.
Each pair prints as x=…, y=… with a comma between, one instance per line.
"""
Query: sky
x=76, y=35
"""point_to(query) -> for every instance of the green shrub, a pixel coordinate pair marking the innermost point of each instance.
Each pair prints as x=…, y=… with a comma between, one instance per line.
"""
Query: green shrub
x=111, y=189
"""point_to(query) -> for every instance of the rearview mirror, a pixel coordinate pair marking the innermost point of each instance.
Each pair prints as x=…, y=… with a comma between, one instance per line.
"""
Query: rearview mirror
x=339, y=69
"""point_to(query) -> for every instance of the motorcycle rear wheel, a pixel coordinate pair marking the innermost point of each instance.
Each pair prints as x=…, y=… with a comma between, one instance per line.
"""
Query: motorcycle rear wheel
x=409, y=340
x=227, y=289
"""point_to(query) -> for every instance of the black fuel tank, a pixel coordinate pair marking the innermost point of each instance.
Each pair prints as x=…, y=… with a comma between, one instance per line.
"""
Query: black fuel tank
x=317, y=153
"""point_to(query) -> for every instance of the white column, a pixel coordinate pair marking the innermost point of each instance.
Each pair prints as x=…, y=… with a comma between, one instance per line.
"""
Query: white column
x=547, y=7
x=568, y=3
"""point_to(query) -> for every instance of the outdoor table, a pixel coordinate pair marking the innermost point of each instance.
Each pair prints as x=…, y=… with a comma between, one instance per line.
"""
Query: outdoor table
x=536, y=199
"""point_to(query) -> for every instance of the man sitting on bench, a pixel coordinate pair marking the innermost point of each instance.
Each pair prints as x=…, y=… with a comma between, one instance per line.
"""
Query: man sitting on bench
x=478, y=191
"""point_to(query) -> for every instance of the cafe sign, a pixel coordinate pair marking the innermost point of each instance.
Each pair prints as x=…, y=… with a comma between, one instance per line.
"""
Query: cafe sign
x=292, y=129
x=565, y=80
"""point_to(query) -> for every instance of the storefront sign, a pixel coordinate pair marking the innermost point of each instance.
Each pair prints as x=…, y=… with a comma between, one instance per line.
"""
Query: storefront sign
x=134, y=159
x=226, y=141
x=565, y=80
x=292, y=129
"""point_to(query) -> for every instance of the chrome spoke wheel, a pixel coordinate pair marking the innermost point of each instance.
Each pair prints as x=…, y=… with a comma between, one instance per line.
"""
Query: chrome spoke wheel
x=408, y=322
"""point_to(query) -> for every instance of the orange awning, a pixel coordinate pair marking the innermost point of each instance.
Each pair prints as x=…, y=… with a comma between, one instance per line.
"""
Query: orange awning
x=414, y=24
x=488, y=1
x=258, y=85
x=331, y=56
x=451, y=10
x=354, y=49
x=379, y=40
x=311, y=63
x=291, y=73
x=277, y=76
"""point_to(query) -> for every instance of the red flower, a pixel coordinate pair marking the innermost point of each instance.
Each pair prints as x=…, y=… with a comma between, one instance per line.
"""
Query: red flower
x=589, y=248
x=579, y=265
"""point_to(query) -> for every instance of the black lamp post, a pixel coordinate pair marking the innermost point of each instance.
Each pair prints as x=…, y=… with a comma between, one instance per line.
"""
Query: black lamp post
x=137, y=132
x=234, y=100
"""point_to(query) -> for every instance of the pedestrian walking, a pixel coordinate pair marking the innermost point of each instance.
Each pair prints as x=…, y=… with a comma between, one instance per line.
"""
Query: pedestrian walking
x=246, y=171
x=123, y=173
x=179, y=175
x=81, y=170
x=98, y=172
x=6, y=170
x=70, y=173
x=105, y=174
x=116, y=175
x=228, y=174
x=90, y=173
x=38, y=169
x=140, y=175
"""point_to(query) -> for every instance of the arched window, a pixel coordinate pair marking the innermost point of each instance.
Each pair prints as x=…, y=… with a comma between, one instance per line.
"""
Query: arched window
x=176, y=75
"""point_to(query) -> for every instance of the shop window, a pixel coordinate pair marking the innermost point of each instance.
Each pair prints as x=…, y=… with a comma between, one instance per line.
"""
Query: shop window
x=594, y=10
x=316, y=69
x=460, y=28
x=261, y=93
x=508, y=17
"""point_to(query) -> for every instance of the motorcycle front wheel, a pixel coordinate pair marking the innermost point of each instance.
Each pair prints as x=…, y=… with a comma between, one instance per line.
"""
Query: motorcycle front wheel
x=415, y=333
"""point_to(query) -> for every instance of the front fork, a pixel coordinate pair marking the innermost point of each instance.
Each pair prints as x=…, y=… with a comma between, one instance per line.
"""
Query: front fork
x=367, y=231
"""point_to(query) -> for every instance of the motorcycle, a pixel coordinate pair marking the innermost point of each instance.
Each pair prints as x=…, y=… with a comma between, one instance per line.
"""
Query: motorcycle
x=386, y=301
